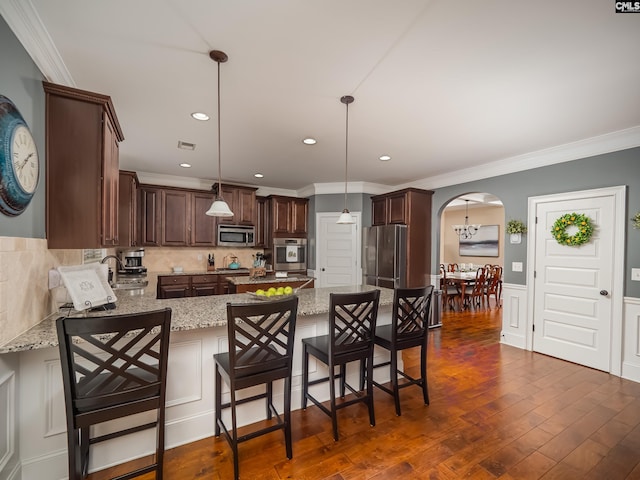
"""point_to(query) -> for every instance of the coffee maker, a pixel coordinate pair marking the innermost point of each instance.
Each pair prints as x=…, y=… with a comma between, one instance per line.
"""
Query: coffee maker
x=132, y=274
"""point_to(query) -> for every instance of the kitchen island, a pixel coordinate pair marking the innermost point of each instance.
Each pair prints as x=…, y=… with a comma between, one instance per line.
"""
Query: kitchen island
x=198, y=331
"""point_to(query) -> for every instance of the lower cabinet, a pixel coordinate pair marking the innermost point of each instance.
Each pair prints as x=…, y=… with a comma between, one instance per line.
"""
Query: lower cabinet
x=181, y=286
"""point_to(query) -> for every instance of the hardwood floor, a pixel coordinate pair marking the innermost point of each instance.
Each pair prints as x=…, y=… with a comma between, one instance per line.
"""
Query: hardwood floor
x=496, y=412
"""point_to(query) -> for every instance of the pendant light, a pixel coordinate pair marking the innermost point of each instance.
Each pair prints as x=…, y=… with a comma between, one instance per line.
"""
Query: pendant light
x=219, y=207
x=346, y=217
x=466, y=231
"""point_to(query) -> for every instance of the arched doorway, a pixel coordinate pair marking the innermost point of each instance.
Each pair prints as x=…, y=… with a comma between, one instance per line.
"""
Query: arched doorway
x=484, y=209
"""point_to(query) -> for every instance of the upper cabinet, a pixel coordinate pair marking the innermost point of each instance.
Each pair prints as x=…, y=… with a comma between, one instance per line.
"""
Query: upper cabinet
x=82, y=166
x=241, y=201
x=288, y=216
x=262, y=222
x=410, y=207
x=128, y=209
x=175, y=217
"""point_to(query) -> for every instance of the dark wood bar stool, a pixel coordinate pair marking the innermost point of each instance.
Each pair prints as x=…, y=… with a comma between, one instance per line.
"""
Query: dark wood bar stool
x=409, y=328
x=113, y=367
x=352, y=323
x=261, y=338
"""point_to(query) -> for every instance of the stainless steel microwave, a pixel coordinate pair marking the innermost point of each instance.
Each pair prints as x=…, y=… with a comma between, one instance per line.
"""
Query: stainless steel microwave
x=236, y=236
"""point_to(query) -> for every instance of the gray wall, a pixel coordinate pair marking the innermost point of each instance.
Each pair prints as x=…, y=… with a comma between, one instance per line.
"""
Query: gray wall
x=21, y=82
x=356, y=202
x=611, y=169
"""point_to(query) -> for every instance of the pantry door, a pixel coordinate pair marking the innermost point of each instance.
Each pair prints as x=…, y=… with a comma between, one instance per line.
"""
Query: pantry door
x=575, y=286
x=337, y=251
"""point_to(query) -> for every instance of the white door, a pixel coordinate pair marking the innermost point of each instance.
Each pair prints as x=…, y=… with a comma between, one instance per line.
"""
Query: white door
x=573, y=306
x=337, y=251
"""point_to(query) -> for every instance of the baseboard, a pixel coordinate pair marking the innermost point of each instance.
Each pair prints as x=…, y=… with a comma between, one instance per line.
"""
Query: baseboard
x=513, y=340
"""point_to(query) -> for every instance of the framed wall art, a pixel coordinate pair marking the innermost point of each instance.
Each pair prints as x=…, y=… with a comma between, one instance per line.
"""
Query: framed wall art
x=485, y=243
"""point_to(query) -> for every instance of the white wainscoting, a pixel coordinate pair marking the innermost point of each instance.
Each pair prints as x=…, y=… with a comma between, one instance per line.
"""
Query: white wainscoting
x=190, y=400
x=631, y=339
x=514, y=315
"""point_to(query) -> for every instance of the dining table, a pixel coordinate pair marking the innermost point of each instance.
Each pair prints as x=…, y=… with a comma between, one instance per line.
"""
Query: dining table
x=462, y=280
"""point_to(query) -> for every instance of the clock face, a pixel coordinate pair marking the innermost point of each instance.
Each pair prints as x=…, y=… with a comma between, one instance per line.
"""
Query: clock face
x=19, y=163
x=24, y=159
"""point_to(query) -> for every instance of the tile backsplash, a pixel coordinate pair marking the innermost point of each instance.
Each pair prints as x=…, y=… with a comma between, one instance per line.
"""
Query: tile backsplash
x=25, y=299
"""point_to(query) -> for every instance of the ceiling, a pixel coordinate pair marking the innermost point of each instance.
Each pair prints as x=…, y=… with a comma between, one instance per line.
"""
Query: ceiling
x=439, y=86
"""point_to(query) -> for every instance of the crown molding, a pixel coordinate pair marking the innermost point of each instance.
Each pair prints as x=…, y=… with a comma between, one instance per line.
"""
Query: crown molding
x=338, y=187
x=589, y=147
x=25, y=23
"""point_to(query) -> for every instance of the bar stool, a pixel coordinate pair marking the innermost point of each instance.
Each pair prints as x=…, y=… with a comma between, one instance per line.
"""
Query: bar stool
x=261, y=338
x=113, y=367
x=409, y=327
x=352, y=323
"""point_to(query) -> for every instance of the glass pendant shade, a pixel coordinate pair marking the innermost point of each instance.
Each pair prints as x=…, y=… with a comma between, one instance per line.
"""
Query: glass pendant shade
x=219, y=208
x=346, y=217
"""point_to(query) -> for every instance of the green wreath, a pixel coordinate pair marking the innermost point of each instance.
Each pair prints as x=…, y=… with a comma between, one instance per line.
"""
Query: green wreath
x=583, y=235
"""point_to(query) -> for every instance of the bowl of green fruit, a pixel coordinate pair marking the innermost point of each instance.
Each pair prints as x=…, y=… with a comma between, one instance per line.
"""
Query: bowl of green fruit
x=272, y=292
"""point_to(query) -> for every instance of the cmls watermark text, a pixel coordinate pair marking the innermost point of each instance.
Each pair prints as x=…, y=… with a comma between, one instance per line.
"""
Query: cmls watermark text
x=627, y=7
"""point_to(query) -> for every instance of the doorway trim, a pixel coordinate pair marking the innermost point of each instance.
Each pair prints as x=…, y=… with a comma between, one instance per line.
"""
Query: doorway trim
x=617, y=294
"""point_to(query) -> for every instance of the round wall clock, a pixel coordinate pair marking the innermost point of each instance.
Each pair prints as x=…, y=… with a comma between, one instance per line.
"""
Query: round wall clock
x=19, y=165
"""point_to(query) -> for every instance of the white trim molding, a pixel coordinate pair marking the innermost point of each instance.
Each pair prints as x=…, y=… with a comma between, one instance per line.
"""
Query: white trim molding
x=631, y=339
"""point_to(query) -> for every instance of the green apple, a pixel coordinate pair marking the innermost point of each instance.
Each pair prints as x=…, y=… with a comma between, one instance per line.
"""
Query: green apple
x=270, y=293
x=280, y=291
x=288, y=290
x=272, y=290
x=260, y=292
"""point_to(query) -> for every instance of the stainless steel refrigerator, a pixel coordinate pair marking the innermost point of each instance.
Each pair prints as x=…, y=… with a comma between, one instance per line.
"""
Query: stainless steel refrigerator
x=385, y=256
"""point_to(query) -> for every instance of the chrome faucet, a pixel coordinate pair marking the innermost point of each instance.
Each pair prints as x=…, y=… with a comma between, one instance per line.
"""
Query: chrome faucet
x=112, y=278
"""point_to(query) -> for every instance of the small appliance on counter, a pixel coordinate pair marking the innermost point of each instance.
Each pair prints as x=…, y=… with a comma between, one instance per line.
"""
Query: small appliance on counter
x=131, y=274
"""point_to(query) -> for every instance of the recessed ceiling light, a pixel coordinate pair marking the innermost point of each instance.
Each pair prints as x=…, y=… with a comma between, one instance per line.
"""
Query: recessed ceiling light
x=200, y=116
x=258, y=175
x=309, y=141
x=185, y=165
x=385, y=158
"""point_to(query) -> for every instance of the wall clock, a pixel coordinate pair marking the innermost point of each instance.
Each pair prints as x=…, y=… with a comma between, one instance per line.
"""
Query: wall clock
x=19, y=164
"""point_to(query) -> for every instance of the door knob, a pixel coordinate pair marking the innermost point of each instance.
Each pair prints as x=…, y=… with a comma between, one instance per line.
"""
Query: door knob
x=604, y=293
x=322, y=269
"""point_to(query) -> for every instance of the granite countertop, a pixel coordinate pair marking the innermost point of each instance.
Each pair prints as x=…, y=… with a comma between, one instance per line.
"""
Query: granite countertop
x=269, y=279
x=222, y=271
x=187, y=313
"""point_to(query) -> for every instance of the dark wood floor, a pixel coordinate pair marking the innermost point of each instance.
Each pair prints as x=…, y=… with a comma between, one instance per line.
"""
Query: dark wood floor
x=495, y=412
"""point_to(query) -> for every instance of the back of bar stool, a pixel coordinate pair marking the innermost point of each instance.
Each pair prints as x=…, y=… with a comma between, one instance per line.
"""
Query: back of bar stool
x=261, y=339
x=352, y=323
x=409, y=328
x=113, y=367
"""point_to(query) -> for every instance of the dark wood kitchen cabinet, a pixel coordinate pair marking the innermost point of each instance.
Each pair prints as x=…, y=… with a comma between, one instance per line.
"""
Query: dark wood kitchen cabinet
x=241, y=201
x=150, y=215
x=289, y=216
x=262, y=222
x=82, y=166
x=128, y=209
x=175, y=217
x=181, y=286
x=410, y=207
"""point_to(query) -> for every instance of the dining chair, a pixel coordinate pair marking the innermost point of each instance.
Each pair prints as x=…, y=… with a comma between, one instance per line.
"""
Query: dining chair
x=261, y=337
x=450, y=293
x=352, y=324
x=408, y=328
x=494, y=285
x=475, y=290
x=113, y=367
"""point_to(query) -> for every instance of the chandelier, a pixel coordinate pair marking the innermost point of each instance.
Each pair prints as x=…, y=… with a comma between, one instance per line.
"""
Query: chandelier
x=346, y=217
x=466, y=231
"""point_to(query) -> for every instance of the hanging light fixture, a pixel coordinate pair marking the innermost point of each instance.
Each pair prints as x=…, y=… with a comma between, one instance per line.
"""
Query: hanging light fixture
x=219, y=207
x=346, y=217
x=466, y=231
